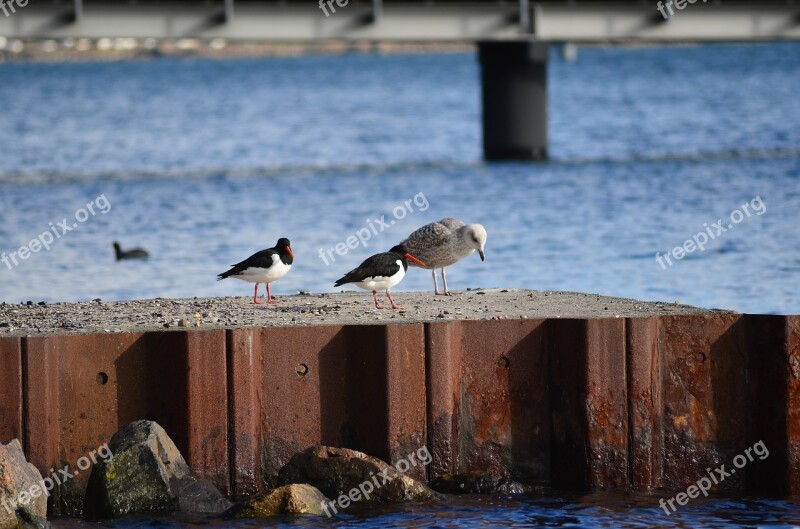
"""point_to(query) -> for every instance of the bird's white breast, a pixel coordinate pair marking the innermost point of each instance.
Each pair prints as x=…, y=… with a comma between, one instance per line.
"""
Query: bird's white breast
x=383, y=282
x=265, y=275
x=277, y=270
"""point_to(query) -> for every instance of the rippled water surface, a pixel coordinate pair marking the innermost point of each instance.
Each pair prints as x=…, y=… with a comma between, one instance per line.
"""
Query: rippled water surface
x=206, y=161
x=591, y=511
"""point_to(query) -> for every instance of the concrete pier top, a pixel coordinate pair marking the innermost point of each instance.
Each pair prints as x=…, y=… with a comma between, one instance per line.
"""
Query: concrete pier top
x=346, y=308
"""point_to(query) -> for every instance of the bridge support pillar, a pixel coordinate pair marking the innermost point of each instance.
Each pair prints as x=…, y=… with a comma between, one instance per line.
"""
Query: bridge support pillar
x=514, y=82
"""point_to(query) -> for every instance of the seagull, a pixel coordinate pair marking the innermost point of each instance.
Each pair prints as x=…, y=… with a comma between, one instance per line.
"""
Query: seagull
x=265, y=266
x=382, y=271
x=442, y=243
x=135, y=253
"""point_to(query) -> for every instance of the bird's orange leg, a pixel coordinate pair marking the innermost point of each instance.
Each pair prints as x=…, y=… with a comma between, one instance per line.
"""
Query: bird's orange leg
x=255, y=295
x=375, y=299
x=394, y=305
x=270, y=299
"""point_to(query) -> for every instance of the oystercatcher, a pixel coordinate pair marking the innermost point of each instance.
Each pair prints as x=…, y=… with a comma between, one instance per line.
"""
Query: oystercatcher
x=135, y=253
x=442, y=243
x=265, y=266
x=381, y=272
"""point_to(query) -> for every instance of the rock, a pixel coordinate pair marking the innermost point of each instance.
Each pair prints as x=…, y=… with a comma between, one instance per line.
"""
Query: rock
x=199, y=495
x=476, y=483
x=147, y=475
x=337, y=471
x=289, y=499
x=32, y=521
x=23, y=500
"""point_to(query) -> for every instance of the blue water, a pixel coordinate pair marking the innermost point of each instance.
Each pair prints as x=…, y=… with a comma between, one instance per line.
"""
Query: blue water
x=204, y=162
x=613, y=510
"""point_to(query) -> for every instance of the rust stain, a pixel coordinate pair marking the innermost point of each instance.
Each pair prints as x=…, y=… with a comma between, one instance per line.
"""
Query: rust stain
x=616, y=402
x=10, y=389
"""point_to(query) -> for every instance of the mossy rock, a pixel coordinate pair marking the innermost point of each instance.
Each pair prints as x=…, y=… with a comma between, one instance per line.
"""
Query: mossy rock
x=289, y=499
x=147, y=475
x=337, y=471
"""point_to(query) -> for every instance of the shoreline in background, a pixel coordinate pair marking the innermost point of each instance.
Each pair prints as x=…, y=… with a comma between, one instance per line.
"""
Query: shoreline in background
x=108, y=49
x=116, y=49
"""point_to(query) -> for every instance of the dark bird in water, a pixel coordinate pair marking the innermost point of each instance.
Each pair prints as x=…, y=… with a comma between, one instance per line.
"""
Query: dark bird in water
x=134, y=253
x=381, y=272
x=265, y=266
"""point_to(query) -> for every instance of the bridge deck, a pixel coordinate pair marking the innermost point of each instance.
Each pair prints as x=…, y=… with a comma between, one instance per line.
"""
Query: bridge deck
x=404, y=21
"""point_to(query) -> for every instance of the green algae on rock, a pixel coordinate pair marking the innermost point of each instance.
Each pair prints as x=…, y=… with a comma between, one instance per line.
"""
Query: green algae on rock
x=336, y=471
x=299, y=498
x=147, y=475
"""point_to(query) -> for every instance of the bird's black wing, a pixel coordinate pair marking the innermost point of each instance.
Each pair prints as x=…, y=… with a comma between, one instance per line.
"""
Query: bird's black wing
x=262, y=259
x=381, y=264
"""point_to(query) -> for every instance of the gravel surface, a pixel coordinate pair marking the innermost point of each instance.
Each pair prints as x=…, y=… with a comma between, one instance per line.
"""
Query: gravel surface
x=34, y=318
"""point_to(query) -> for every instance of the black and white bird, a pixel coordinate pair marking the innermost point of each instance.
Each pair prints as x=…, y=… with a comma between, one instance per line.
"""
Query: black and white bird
x=265, y=266
x=133, y=253
x=381, y=272
x=442, y=243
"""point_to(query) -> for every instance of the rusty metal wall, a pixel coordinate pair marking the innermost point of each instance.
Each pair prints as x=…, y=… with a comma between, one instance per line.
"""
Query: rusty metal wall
x=641, y=403
x=11, y=389
x=78, y=390
x=645, y=403
x=488, y=405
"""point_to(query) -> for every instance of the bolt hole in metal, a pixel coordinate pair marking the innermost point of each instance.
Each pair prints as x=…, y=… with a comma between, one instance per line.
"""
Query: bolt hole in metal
x=503, y=362
x=102, y=378
x=302, y=370
x=700, y=357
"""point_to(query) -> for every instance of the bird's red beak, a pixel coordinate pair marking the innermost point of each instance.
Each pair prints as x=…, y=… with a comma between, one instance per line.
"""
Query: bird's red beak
x=288, y=249
x=409, y=256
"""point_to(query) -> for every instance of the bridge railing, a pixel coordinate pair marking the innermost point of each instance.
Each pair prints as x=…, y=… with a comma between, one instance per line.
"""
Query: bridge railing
x=439, y=20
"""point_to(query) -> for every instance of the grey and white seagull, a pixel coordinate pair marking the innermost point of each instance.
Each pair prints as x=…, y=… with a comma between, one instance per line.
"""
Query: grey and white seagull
x=440, y=244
